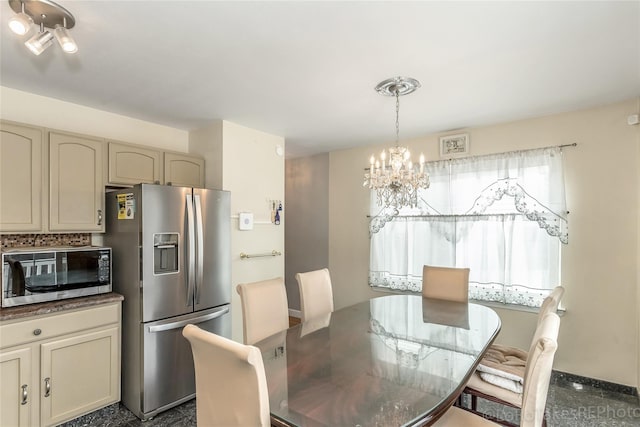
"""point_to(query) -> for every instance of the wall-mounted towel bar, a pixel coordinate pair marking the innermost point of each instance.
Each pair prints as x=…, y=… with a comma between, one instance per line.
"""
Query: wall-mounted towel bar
x=272, y=253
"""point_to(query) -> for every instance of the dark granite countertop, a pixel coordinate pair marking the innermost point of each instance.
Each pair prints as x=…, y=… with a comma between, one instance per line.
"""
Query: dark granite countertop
x=10, y=313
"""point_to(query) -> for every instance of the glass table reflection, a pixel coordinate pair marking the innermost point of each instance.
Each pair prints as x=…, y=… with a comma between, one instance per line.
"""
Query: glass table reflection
x=390, y=361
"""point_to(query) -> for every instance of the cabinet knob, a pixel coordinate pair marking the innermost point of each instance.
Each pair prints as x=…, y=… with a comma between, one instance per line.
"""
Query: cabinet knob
x=25, y=395
x=37, y=331
x=47, y=387
x=99, y=216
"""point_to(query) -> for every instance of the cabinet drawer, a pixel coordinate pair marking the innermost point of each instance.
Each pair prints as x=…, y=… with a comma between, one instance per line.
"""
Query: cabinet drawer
x=23, y=330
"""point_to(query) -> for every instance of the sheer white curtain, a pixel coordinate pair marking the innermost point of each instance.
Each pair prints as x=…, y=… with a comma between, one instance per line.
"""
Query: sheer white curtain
x=503, y=216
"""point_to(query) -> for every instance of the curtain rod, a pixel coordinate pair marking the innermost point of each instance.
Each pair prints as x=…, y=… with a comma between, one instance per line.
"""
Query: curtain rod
x=574, y=144
x=476, y=215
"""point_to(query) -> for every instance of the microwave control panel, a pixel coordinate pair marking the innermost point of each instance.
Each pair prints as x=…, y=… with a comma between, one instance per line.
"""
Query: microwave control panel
x=104, y=267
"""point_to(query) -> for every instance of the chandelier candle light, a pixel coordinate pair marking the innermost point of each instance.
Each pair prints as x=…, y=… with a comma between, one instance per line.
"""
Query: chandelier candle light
x=396, y=180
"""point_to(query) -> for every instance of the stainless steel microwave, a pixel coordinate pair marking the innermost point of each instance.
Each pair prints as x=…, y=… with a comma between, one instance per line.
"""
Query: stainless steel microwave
x=32, y=275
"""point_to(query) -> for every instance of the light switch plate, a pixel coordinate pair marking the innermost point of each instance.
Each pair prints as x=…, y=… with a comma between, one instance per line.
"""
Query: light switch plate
x=245, y=221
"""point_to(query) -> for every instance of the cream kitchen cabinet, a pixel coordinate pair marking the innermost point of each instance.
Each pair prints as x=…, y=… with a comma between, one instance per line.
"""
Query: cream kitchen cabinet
x=15, y=391
x=130, y=164
x=76, y=185
x=60, y=366
x=21, y=178
x=183, y=170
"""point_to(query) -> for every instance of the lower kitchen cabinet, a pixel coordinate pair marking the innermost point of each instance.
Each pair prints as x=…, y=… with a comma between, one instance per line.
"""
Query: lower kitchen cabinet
x=57, y=367
x=15, y=394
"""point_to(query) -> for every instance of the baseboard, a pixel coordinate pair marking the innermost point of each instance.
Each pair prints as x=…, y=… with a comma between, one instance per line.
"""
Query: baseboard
x=559, y=376
x=295, y=313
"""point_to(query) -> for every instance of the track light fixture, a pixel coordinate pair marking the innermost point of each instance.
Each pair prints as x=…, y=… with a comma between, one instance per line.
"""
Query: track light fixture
x=45, y=14
x=21, y=22
x=38, y=43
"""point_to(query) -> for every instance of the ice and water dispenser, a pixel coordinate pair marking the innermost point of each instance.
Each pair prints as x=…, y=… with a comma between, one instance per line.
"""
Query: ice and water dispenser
x=165, y=253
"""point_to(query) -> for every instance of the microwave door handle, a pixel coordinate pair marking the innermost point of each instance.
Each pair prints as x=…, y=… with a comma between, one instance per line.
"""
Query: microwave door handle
x=191, y=251
x=200, y=248
x=193, y=321
x=18, y=281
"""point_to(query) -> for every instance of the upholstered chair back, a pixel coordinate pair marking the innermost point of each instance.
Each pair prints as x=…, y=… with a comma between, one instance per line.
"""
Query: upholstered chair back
x=538, y=371
x=231, y=387
x=445, y=283
x=316, y=293
x=551, y=303
x=265, y=310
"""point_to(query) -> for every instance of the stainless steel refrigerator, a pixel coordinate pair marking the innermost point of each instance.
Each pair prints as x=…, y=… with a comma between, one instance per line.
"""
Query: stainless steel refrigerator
x=172, y=262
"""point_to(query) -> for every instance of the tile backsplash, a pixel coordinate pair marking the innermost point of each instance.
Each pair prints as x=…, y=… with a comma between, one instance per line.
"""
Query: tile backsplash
x=28, y=240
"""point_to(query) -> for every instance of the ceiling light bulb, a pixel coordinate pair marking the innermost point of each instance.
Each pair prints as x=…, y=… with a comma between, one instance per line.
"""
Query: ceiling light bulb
x=67, y=42
x=38, y=43
x=20, y=23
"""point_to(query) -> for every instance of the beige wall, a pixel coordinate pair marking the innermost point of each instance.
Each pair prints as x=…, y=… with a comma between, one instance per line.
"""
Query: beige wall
x=637, y=129
x=207, y=142
x=600, y=330
x=245, y=162
x=307, y=225
x=41, y=111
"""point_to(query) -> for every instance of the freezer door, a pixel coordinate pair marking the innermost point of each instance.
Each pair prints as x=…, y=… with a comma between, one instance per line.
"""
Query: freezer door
x=168, y=372
x=213, y=260
x=165, y=291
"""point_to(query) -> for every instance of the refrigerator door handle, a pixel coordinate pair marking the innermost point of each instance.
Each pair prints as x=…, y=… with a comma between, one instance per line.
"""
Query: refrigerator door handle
x=200, y=248
x=191, y=255
x=194, y=321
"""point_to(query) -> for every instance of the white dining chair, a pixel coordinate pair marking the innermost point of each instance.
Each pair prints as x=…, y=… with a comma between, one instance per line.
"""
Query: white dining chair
x=447, y=283
x=316, y=293
x=265, y=310
x=500, y=374
x=231, y=386
x=536, y=382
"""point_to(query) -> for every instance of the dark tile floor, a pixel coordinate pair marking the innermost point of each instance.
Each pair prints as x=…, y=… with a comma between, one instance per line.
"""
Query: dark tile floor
x=569, y=404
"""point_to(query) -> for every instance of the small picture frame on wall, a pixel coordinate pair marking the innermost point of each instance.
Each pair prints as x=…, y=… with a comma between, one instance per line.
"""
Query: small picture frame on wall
x=454, y=145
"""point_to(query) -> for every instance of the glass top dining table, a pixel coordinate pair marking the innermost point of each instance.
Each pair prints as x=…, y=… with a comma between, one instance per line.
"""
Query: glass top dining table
x=391, y=361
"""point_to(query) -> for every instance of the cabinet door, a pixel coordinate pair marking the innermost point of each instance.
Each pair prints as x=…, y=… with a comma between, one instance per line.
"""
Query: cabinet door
x=16, y=390
x=76, y=193
x=134, y=165
x=79, y=374
x=183, y=171
x=20, y=178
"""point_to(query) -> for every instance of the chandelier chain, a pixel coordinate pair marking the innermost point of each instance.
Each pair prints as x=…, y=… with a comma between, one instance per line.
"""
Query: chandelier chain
x=397, y=117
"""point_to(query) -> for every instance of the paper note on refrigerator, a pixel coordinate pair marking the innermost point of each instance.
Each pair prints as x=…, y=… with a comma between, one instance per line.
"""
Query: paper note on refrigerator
x=126, y=206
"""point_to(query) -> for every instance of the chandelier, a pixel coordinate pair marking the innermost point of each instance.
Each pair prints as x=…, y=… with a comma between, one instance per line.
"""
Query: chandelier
x=393, y=176
x=40, y=15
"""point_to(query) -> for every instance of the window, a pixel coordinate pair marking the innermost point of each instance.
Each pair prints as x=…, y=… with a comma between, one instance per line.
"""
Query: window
x=504, y=216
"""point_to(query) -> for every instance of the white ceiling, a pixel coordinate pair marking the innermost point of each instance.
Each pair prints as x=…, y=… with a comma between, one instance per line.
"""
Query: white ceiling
x=306, y=70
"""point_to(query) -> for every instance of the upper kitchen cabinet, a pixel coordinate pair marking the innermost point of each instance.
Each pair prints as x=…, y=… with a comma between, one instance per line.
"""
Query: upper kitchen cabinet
x=21, y=165
x=76, y=187
x=183, y=170
x=129, y=164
